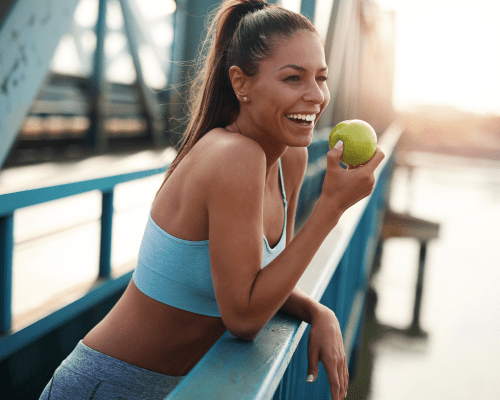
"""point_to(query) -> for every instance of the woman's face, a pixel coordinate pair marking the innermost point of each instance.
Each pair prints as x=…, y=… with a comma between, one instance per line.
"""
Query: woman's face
x=289, y=93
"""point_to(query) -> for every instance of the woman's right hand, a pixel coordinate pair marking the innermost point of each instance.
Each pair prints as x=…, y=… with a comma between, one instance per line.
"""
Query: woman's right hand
x=343, y=188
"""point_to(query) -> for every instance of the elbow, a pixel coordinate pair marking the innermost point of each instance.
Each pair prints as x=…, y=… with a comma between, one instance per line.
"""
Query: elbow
x=243, y=330
x=245, y=336
x=243, y=321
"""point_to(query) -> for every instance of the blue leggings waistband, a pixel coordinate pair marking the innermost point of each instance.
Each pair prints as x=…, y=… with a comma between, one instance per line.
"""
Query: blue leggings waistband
x=91, y=375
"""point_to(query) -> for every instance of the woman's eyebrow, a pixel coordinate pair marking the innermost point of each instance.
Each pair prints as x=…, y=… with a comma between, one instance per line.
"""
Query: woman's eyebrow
x=299, y=68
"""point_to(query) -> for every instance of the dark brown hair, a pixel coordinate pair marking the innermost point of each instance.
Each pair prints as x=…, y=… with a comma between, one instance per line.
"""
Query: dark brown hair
x=241, y=33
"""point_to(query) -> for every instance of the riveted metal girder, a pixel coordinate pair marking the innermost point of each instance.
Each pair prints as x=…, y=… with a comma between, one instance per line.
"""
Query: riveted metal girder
x=308, y=9
x=29, y=35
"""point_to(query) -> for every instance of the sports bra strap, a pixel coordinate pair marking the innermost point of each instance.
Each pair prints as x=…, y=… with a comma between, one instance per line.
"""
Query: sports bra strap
x=282, y=183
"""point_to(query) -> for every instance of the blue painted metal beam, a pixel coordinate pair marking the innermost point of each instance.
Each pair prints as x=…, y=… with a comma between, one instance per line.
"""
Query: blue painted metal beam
x=233, y=369
x=106, y=234
x=28, y=38
x=152, y=109
x=10, y=344
x=4, y=9
x=12, y=201
x=96, y=135
x=190, y=18
x=6, y=253
x=308, y=9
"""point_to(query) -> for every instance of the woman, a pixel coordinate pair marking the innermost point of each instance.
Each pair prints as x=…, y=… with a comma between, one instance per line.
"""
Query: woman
x=225, y=210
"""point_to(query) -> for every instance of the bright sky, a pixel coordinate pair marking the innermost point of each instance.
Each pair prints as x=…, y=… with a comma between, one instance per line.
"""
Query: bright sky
x=447, y=52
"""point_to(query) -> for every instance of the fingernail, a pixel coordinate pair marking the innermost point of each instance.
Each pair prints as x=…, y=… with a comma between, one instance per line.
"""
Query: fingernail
x=339, y=144
x=310, y=378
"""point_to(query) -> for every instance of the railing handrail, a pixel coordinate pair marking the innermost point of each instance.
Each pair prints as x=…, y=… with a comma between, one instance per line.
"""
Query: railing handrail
x=253, y=370
x=10, y=202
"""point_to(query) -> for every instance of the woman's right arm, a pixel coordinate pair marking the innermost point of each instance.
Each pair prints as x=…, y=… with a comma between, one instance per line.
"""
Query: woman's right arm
x=248, y=296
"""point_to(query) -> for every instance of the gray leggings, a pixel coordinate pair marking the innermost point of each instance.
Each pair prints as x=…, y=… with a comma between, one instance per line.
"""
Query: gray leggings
x=87, y=374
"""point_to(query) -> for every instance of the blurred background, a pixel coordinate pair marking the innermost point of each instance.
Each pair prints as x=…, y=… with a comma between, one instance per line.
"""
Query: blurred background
x=108, y=97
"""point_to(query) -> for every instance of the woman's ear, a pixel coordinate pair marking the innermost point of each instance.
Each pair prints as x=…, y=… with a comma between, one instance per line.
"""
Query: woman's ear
x=239, y=81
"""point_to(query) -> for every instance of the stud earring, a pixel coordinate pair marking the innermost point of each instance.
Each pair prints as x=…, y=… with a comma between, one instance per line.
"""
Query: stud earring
x=245, y=98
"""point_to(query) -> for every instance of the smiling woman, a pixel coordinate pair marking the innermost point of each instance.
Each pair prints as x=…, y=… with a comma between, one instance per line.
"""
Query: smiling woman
x=218, y=252
x=283, y=92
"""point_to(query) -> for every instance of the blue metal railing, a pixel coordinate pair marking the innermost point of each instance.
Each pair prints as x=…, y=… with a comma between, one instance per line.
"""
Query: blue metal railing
x=274, y=365
x=10, y=202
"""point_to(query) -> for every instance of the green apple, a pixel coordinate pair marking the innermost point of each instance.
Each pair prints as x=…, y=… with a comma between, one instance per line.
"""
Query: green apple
x=360, y=141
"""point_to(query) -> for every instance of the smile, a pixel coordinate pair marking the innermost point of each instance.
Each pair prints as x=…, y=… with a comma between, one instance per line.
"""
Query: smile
x=302, y=119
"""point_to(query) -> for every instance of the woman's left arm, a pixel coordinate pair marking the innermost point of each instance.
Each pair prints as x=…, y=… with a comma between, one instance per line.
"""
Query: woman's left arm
x=325, y=342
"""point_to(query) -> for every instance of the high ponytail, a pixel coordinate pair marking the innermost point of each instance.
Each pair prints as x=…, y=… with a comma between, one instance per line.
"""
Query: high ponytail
x=241, y=33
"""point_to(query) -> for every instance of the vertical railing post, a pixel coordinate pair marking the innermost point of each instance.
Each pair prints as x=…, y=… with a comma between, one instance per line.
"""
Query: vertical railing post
x=106, y=231
x=415, y=328
x=6, y=253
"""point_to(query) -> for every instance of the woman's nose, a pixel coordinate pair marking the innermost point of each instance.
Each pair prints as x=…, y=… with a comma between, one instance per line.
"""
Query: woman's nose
x=314, y=94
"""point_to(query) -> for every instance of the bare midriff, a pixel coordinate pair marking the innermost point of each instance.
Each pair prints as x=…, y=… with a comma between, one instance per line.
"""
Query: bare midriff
x=144, y=332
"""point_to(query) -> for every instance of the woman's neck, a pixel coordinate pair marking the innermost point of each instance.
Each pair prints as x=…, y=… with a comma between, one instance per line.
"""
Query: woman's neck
x=272, y=148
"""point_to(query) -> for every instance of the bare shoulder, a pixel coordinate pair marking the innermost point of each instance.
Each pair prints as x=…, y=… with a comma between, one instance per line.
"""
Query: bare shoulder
x=234, y=145
x=231, y=158
x=294, y=162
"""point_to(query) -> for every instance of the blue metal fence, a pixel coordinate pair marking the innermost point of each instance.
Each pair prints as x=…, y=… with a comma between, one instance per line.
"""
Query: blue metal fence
x=9, y=203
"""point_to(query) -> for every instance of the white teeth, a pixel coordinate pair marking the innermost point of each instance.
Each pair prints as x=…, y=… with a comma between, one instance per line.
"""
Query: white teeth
x=304, y=117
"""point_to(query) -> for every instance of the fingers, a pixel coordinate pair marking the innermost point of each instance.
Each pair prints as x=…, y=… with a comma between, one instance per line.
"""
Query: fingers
x=342, y=387
x=349, y=167
x=343, y=378
x=345, y=372
x=325, y=345
x=335, y=154
x=338, y=375
x=373, y=162
x=334, y=379
x=313, y=361
x=376, y=159
x=338, y=378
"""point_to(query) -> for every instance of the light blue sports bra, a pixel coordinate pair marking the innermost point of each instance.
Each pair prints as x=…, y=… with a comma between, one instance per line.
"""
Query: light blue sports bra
x=176, y=272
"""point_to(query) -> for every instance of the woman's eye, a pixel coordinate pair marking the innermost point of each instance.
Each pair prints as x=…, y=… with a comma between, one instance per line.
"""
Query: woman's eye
x=293, y=78
x=322, y=78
